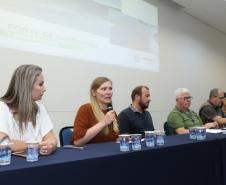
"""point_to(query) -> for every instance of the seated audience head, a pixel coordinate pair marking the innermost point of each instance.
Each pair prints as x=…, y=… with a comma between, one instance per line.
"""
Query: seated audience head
x=141, y=97
x=183, y=99
x=216, y=97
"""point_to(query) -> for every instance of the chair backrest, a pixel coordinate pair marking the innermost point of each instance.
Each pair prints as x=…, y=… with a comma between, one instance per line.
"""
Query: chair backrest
x=65, y=135
x=166, y=128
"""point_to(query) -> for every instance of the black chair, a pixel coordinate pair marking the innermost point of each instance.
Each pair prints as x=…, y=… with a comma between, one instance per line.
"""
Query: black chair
x=166, y=128
x=65, y=135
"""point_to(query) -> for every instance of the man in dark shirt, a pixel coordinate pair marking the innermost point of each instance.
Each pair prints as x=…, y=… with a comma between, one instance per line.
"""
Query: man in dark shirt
x=211, y=110
x=135, y=119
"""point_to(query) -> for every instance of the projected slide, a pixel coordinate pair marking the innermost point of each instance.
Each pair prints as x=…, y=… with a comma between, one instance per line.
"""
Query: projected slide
x=113, y=32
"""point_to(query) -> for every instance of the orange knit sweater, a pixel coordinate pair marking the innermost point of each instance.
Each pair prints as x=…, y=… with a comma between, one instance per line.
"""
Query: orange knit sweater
x=84, y=120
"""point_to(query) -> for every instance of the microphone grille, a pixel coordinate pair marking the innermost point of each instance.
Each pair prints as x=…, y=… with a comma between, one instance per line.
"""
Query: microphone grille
x=110, y=107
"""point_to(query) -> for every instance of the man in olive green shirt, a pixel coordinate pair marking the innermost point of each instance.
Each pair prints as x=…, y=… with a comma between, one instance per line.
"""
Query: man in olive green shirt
x=181, y=117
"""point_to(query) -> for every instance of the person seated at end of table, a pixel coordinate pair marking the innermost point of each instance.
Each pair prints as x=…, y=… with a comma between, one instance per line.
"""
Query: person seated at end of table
x=224, y=105
x=94, y=122
x=182, y=117
x=22, y=117
x=211, y=110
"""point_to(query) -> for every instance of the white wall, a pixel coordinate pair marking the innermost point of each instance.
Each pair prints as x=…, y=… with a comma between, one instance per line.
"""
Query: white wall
x=192, y=55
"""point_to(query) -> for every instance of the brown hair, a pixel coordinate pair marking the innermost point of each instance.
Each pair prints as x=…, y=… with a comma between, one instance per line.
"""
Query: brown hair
x=137, y=91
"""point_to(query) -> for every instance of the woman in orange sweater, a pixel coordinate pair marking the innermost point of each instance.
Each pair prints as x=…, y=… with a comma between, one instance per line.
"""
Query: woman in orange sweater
x=93, y=122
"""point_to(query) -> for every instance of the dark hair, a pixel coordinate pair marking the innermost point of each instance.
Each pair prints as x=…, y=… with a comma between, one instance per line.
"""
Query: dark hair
x=137, y=91
x=225, y=94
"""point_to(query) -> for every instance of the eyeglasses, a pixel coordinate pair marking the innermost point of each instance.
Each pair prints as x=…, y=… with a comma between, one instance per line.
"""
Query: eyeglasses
x=186, y=98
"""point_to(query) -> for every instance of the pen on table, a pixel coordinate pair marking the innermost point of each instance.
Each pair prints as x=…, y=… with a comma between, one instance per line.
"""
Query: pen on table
x=72, y=146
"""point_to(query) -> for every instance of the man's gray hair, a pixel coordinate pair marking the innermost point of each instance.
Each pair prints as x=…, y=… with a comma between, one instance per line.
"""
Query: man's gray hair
x=179, y=91
x=213, y=93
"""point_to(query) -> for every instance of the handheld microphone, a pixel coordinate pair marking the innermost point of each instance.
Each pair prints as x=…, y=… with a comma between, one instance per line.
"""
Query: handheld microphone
x=109, y=108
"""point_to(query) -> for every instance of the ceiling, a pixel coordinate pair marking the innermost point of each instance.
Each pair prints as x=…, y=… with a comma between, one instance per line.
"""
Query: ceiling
x=211, y=12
